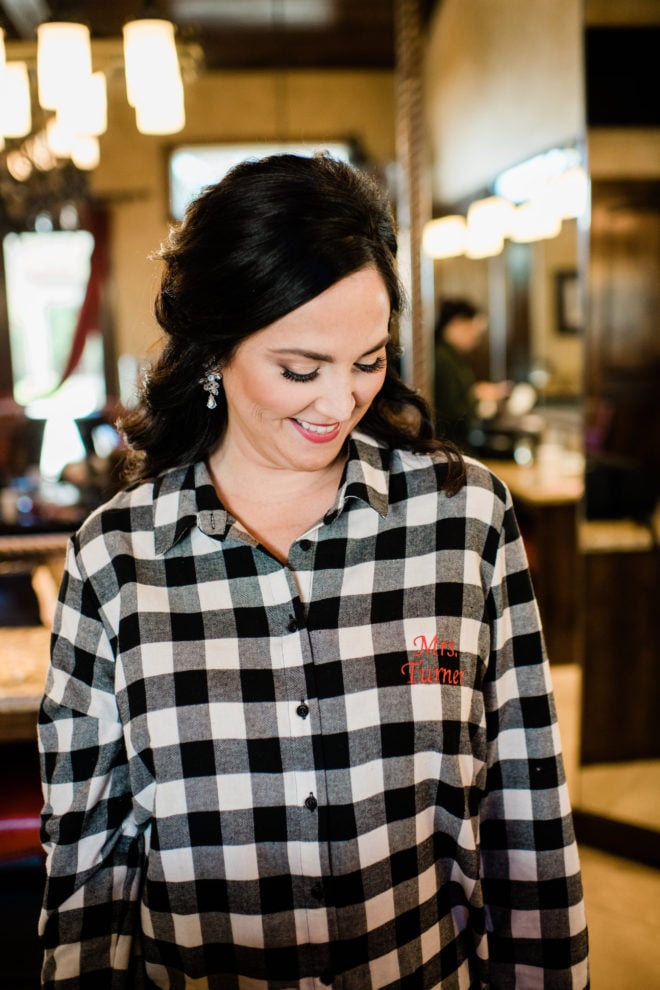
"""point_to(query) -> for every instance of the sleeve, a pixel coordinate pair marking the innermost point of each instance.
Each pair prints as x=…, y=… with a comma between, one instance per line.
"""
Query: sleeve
x=94, y=844
x=534, y=907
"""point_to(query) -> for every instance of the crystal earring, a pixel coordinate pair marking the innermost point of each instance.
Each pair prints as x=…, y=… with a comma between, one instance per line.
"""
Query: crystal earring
x=211, y=384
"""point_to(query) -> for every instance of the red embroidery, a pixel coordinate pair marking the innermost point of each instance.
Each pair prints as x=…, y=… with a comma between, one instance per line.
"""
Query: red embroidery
x=445, y=648
x=419, y=674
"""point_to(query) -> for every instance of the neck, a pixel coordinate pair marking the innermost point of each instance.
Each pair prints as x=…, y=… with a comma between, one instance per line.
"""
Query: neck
x=235, y=476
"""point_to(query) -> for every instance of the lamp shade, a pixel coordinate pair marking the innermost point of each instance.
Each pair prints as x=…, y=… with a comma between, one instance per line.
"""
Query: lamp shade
x=15, y=110
x=445, y=237
x=85, y=152
x=88, y=113
x=488, y=223
x=569, y=192
x=535, y=220
x=150, y=59
x=162, y=111
x=64, y=62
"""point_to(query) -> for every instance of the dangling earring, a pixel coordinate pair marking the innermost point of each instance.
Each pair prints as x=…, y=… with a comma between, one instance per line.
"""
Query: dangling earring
x=211, y=384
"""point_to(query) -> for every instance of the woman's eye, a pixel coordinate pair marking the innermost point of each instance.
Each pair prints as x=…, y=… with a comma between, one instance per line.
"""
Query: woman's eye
x=295, y=376
x=377, y=365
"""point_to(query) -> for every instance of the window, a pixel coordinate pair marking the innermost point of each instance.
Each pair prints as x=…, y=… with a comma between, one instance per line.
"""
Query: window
x=46, y=278
x=194, y=166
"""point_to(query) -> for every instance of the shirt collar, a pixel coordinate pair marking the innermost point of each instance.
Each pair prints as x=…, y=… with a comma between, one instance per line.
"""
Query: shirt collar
x=185, y=496
x=366, y=474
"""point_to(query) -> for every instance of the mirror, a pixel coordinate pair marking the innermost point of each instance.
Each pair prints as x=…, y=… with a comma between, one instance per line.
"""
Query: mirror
x=575, y=315
x=620, y=744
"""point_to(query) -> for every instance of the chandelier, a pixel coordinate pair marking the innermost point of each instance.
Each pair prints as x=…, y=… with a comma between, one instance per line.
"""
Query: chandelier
x=72, y=98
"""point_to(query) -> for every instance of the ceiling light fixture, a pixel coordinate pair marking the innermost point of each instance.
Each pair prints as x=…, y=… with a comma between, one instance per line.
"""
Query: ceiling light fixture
x=67, y=86
x=154, y=86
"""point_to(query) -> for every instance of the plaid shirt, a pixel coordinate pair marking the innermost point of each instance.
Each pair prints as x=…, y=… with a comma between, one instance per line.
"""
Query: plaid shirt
x=340, y=772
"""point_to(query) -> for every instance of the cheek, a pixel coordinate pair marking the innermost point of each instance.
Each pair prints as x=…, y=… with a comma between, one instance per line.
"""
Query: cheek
x=369, y=389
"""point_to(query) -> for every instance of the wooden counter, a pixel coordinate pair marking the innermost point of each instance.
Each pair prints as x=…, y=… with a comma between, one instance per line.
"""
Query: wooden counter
x=547, y=507
x=537, y=486
x=24, y=655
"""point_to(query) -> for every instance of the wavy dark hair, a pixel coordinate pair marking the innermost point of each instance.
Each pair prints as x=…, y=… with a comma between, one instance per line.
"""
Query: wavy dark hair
x=273, y=234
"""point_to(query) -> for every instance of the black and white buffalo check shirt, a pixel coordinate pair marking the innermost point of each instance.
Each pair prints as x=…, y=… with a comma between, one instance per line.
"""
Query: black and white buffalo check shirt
x=341, y=772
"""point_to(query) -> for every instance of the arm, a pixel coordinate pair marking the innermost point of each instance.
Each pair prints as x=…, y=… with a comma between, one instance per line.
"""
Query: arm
x=532, y=887
x=93, y=842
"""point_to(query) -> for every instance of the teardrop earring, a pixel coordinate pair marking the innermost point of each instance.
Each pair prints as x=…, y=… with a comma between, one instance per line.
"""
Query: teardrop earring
x=211, y=384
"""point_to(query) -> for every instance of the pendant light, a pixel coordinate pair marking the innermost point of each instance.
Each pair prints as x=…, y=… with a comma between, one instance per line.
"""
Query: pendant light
x=15, y=110
x=445, y=237
x=153, y=76
x=64, y=62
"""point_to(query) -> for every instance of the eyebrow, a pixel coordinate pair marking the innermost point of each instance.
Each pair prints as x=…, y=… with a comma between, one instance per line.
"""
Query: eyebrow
x=327, y=358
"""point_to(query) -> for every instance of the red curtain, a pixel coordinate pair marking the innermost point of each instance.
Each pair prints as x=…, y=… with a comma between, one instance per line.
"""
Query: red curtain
x=90, y=312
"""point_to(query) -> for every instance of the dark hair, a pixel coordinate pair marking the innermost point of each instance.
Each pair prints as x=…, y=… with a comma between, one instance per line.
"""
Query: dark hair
x=450, y=309
x=273, y=234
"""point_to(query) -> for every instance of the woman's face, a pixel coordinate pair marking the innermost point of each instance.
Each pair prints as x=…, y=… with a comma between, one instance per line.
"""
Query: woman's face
x=297, y=388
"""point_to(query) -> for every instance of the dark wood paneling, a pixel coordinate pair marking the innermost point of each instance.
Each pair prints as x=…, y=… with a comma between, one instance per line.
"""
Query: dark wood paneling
x=622, y=76
x=550, y=536
x=250, y=34
x=622, y=351
x=621, y=665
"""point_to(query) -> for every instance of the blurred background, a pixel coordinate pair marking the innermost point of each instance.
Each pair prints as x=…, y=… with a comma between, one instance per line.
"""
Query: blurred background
x=520, y=145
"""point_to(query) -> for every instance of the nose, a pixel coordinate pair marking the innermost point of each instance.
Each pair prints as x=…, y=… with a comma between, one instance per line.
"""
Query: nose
x=337, y=400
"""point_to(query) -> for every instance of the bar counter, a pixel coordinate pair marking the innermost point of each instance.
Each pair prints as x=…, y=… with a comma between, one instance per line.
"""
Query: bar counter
x=25, y=650
x=547, y=504
x=24, y=655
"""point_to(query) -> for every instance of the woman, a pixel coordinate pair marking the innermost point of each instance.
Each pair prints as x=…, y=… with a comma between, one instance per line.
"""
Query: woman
x=298, y=729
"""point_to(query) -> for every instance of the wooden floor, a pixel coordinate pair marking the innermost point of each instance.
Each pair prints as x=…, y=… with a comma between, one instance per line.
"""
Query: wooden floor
x=623, y=914
x=622, y=897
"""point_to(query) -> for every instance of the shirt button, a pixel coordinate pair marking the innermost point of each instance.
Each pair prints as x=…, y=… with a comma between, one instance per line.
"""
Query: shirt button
x=326, y=977
x=292, y=624
x=311, y=803
x=305, y=544
x=302, y=710
x=317, y=892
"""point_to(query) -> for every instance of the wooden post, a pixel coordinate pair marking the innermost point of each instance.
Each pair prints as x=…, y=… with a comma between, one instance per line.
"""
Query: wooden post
x=413, y=198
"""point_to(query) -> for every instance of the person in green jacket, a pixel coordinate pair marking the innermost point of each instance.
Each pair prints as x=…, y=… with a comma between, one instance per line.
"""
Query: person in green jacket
x=457, y=393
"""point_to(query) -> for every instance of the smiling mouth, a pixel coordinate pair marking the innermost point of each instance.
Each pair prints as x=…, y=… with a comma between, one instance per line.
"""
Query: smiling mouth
x=317, y=432
x=317, y=427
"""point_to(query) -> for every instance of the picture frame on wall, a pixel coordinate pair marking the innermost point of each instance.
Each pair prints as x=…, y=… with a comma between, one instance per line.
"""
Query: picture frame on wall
x=570, y=310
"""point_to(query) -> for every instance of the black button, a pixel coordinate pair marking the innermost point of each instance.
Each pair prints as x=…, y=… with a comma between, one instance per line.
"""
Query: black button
x=302, y=710
x=317, y=892
x=305, y=544
x=292, y=625
x=311, y=803
x=326, y=977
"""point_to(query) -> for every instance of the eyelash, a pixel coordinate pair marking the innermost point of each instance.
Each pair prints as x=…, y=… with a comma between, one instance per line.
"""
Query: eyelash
x=294, y=376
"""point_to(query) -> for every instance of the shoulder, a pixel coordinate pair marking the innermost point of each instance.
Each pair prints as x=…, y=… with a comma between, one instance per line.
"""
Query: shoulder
x=431, y=468
x=127, y=523
x=121, y=513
